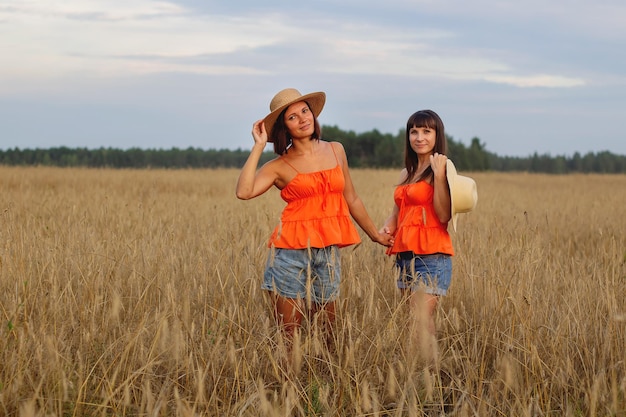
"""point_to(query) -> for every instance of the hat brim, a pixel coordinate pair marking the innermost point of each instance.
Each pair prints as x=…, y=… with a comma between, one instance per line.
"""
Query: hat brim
x=468, y=186
x=316, y=103
x=451, y=176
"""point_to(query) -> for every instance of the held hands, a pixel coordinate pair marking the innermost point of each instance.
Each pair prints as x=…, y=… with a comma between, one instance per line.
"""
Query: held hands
x=385, y=237
x=259, y=133
x=438, y=164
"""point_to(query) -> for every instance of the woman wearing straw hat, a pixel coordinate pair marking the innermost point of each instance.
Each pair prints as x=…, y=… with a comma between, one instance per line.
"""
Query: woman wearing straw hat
x=428, y=196
x=302, y=272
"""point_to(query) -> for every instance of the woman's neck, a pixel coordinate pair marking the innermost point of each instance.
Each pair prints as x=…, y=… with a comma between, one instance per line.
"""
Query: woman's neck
x=304, y=146
x=423, y=162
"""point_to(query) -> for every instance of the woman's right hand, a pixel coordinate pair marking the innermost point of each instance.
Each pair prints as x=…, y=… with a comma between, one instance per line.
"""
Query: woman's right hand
x=259, y=133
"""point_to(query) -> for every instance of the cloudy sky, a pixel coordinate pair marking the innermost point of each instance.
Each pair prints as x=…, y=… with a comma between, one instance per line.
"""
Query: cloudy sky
x=523, y=76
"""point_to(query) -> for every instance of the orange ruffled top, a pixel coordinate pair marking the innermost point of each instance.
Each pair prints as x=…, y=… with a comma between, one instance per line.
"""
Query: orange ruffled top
x=317, y=214
x=419, y=229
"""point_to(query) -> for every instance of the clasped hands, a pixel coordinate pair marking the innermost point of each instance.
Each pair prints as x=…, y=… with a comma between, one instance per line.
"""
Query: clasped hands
x=385, y=237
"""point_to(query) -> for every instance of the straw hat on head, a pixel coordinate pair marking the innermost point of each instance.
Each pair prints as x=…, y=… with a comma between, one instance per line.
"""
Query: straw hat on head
x=463, y=193
x=286, y=98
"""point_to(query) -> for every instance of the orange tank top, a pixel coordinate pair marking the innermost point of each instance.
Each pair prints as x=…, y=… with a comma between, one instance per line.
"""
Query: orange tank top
x=419, y=229
x=317, y=214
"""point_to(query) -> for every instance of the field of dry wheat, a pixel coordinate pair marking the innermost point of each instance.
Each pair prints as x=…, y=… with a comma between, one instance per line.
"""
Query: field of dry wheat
x=136, y=293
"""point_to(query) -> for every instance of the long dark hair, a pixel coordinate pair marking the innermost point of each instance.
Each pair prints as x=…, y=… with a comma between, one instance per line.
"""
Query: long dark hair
x=429, y=119
x=281, y=137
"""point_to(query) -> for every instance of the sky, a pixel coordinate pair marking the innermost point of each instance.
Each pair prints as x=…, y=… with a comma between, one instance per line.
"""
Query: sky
x=523, y=77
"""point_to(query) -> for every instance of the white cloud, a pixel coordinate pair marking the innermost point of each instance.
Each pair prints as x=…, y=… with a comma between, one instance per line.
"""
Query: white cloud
x=118, y=38
x=550, y=81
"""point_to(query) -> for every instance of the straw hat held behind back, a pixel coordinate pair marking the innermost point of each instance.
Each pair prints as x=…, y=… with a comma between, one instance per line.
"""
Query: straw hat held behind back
x=286, y=98
x=463, y=192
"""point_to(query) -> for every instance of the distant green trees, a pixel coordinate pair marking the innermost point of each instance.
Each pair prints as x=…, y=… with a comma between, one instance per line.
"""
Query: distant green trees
x=371, y=149
x=129, y=158
x=601, y=162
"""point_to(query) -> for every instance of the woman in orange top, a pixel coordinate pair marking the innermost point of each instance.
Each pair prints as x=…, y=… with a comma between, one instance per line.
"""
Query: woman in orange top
x=313, y=176
x=419, y=224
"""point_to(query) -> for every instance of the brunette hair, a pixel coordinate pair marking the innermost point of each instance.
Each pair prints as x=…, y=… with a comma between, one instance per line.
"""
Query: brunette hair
x=429, y=119
x=280, y=135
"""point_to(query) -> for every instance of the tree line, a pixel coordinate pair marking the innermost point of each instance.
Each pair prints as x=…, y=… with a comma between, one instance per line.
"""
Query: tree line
x=371, y=149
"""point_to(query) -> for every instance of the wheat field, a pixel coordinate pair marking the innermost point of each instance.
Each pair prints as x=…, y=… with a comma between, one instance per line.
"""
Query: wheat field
x=136, y=293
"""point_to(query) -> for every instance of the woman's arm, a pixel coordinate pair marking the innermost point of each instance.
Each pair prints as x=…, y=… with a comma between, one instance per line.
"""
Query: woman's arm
x=441, y=197
x=391, y=224
x=252, y=183
x=356, y=206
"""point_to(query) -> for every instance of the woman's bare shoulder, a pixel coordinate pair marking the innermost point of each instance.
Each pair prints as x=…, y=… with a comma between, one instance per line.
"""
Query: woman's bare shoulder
x=403, y=175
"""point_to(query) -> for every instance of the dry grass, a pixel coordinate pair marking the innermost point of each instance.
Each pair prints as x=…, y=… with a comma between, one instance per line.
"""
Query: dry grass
x=136, y=293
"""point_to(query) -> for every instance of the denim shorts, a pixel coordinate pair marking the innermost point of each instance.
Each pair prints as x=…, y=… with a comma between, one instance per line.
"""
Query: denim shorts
x=313, y=274
x=430, y=273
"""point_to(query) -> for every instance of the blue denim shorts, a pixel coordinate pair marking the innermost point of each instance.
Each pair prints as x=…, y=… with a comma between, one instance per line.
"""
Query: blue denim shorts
x=430, y=273
x=304, y=273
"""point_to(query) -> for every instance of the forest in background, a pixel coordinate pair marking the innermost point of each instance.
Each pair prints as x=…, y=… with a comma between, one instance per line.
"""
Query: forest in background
x=371, y=149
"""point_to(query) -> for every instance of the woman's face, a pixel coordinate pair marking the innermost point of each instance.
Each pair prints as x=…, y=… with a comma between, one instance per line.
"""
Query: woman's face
x=422, y=140
x=299, y=120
